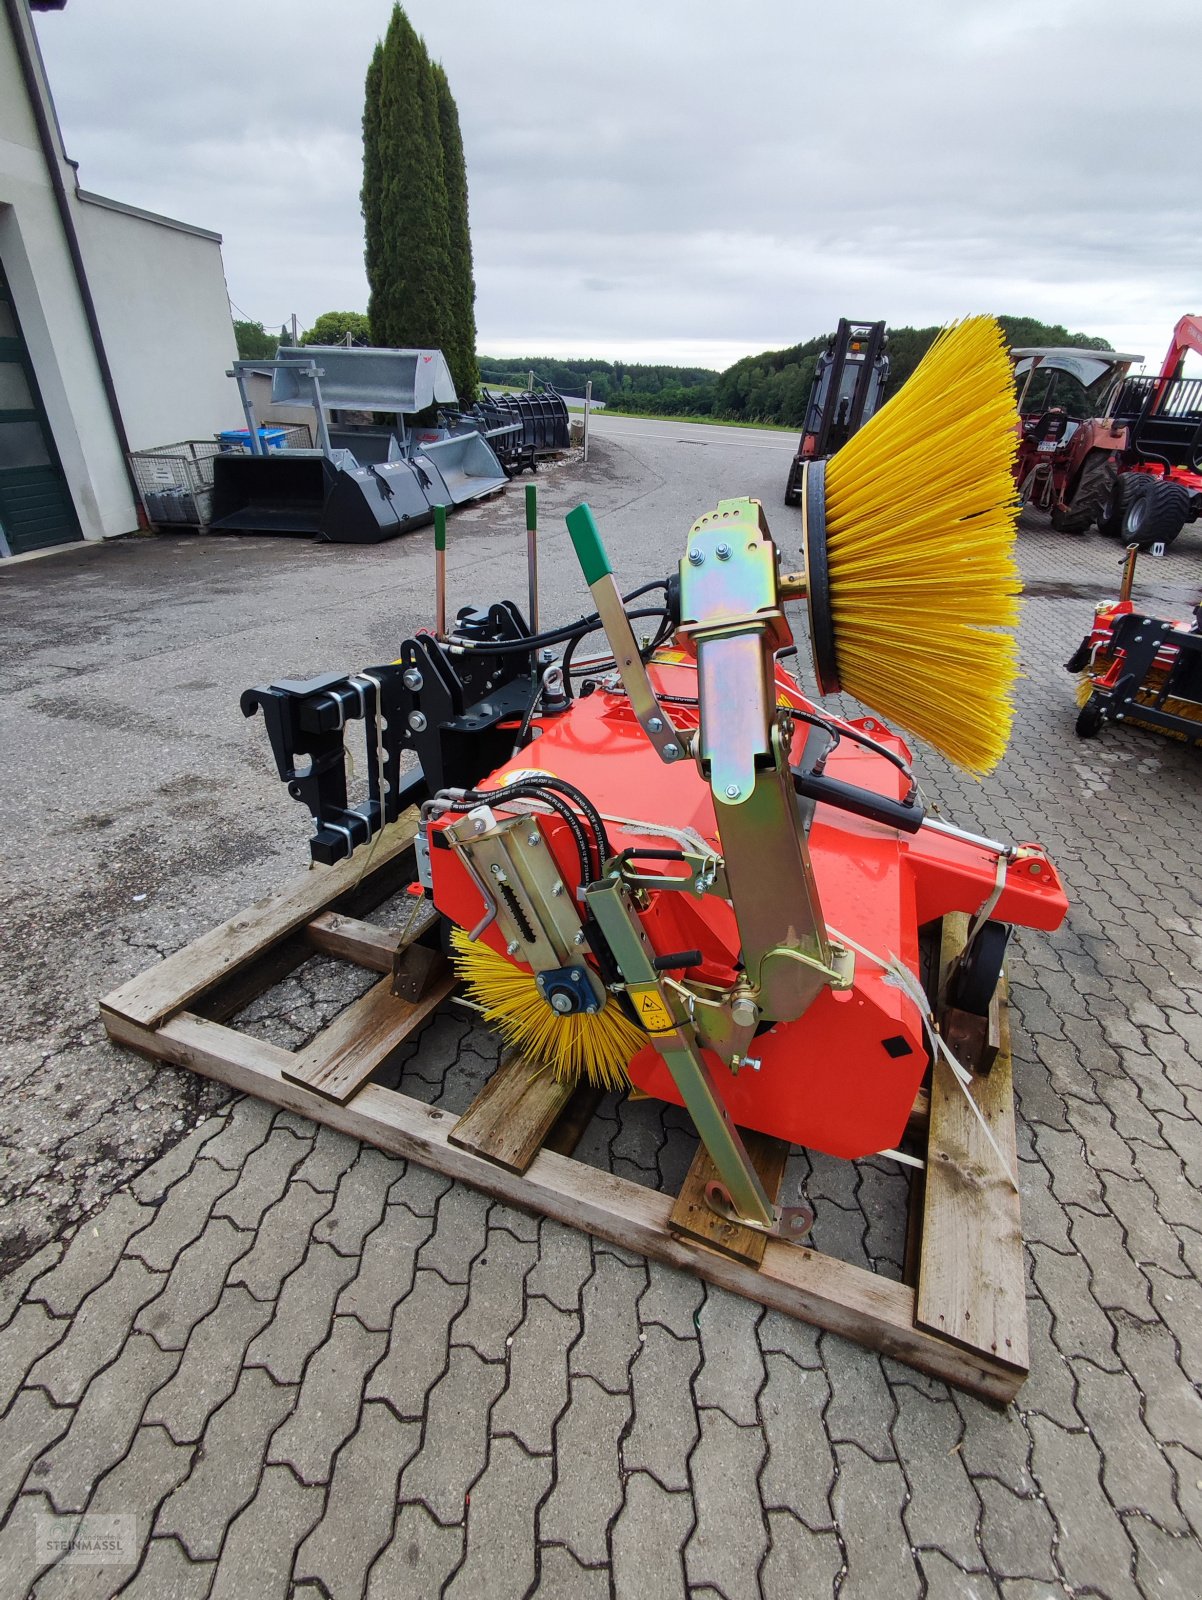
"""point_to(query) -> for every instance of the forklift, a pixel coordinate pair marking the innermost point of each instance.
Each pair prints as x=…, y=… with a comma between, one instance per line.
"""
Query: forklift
x=848, y=388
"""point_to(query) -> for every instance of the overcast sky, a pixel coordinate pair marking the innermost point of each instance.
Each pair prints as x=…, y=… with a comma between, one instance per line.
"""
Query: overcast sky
x=679, y=180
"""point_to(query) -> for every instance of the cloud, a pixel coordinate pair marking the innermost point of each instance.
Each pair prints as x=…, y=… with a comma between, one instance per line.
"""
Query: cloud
x=678, y=177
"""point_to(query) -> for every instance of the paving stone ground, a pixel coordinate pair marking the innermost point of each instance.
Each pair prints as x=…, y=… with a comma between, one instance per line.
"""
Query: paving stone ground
x=305, y=1369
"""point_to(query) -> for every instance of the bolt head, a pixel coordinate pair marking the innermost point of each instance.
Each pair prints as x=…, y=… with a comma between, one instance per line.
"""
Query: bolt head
x=670, y=752
x=561, y=1003
x=579, y=938
x=655, y=724
x=412, y=679
x=557, y=888
x=533, y=838
x=723, y=552
x=696, y=557
x=733, y=791
x=512, y=947
x=417, y=721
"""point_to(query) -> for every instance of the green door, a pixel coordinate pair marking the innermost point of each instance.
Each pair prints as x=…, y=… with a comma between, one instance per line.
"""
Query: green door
x=35, y=504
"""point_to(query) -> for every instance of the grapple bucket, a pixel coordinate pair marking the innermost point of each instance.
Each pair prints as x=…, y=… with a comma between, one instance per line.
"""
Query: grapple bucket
x=277, y=493
x=465, y=464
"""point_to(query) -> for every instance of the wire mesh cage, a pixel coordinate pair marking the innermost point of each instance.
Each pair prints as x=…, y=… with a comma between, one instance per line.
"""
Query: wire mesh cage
x=175, y=481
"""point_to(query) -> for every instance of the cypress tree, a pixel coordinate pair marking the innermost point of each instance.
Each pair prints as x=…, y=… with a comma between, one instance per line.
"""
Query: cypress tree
x=461, y=286
x=407, y=232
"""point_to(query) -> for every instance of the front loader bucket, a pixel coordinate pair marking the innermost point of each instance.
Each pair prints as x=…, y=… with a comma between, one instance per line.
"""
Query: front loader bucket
x=367, y=504
x=277, y=493
x=466, y=465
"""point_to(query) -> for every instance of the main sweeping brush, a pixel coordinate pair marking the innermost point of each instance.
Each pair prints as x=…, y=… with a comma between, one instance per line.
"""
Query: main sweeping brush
x=595, y=1046
x=909, y=541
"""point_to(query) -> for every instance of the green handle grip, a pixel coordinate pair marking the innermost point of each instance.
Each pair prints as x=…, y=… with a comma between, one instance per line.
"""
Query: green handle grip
x=440, y=527
x=531, y=508
x=586, y=541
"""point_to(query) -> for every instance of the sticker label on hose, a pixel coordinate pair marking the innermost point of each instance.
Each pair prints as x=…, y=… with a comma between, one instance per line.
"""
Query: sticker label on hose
x=650, y=1009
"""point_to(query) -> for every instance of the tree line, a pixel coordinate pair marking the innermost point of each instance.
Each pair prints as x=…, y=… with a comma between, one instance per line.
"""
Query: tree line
x=774, y=386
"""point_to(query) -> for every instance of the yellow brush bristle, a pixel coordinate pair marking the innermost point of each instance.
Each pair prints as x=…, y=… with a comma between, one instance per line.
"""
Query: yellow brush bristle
x=1083, y=688
x=920, y=517
x=594, y=1045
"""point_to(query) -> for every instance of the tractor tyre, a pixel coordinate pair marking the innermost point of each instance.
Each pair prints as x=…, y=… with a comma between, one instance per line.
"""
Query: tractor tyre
x=1159, y=514
x=980, y=968
x=1090, y=497
x=1126, y=490
x=1090, y=719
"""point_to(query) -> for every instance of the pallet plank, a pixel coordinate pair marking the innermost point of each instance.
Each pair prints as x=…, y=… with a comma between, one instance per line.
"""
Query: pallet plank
x=512, y=1115
x=346, y=1053
x=797, y=1281
x=349, y=939
x=692, y=1217
x=972, y=1279
x=213, y=959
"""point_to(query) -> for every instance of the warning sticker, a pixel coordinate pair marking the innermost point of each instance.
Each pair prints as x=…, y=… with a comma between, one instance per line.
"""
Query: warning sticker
x=650, y=1009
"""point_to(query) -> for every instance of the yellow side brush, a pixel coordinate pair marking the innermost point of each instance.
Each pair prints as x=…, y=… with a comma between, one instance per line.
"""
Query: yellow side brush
x=594, y=1045
x=909, y=544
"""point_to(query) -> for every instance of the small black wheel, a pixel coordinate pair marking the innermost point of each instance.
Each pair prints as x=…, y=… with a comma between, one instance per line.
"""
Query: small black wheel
x=980, y=968
x=1090, y=496
x=793, y=486
x=1090, y=718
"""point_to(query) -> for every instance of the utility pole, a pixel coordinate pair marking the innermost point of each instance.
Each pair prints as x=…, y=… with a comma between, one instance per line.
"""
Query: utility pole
x=295, y=340
x=588, y=400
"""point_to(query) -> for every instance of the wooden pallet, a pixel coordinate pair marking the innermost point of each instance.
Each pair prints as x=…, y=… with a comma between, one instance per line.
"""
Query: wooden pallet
x=961, y=1313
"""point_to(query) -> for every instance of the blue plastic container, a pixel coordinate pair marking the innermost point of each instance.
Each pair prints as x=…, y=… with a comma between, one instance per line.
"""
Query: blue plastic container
x=239, y=439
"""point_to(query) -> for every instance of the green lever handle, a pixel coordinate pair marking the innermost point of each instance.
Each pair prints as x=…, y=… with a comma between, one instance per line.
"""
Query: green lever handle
x=586, y=541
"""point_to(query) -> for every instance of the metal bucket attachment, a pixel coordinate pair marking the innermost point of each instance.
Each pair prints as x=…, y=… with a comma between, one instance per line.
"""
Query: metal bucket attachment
x=466, y=464
x=367, y=504
x=278, y=493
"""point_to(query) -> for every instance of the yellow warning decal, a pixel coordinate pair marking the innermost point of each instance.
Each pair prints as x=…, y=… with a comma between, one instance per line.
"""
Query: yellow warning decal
x=650, y=1009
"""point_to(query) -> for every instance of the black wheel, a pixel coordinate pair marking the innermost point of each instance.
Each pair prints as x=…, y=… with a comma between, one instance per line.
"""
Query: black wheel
x=1158, y=515
x=1126, y=490
x=1089, y=497
x=980, y=968
x=792, y=487
x=1090, y=719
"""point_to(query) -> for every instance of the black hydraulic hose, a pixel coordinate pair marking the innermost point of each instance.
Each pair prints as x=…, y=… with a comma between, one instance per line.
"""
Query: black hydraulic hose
x=840, y=730
x=529, y=791
x=595, y=820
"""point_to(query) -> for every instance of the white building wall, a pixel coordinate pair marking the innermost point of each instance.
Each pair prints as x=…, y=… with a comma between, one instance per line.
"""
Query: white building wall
x=49, y=309
x=160, y=297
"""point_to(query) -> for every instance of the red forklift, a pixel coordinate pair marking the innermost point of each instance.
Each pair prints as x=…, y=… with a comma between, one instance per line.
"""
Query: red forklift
x=848, y=388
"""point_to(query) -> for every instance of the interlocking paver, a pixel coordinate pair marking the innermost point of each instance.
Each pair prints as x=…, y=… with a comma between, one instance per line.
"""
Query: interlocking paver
x=420, y=1559
x=184, y=1211
x=800, y=1470
x=260, y=1546
x=386, y=1267
x=104, y=1423
x=302, y=1314
x=195, y=1284
x=943, y=1507
x=91, y=1256
x=360, y=1201
x=664, y=1428
x=868, y=1498
x=673, y=1299
x=730, y=1535
x=861, y=1405
x=98, y=1331
x=281, y=1240
x=801, y=1564
x=245, y=1125
x=455, y=1444
x=1166, y=1565
x=537, y=1388
x=1172, y=1406
x=30, y=1334
x=588, y=1487
x=20, y=1558
x=1092, y=1550
x=327, y=1408
x=946, y=1581
x=330, y=1156
x=461, y=1234
x=1079, y=1325
x=494, y=1297
x=564, y=1266
x=228, y=1465
x=211, y=1362
x=1135, y=1473
x=1016, y=1533
x=499, y=1564
x=732, y=1370
x=262, y=1179
x=361, y=1504
x=609, y=1341
x=29, y=1427
x=418, y=1349
x=648, y=1539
